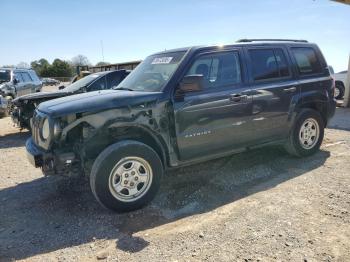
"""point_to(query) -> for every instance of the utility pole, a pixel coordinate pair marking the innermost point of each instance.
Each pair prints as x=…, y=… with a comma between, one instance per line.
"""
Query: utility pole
x=103, y=56
x=347, y=87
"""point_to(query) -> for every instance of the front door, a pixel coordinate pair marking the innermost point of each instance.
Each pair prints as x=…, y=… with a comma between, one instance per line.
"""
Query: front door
x=217, y=118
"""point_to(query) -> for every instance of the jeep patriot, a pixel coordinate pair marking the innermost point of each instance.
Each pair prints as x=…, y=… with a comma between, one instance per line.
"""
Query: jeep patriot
x=184, y=106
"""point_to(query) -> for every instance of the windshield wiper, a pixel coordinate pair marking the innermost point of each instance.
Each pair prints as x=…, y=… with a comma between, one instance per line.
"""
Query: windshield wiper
x=123, y=88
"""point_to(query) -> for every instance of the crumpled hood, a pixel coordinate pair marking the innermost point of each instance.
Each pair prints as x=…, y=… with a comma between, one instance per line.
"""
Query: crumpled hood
x=39, y=96
x=96, y=101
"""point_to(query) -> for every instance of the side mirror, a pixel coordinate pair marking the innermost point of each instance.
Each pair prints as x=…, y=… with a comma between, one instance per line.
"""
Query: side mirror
x=61, y=87
x=15, y=81
x=191, y=83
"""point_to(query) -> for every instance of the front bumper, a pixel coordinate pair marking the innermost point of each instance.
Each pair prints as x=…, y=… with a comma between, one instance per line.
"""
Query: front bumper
x=52, y=163
x=34, y=153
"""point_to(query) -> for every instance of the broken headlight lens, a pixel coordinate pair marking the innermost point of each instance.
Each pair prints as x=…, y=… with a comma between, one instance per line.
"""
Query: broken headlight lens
x=45, y=130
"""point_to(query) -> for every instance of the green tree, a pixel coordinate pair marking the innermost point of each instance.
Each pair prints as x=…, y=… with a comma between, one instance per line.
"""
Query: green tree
x=40, y=65
x=59, y=68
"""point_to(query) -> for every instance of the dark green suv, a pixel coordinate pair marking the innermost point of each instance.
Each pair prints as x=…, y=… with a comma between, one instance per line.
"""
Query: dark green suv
x=184, y=106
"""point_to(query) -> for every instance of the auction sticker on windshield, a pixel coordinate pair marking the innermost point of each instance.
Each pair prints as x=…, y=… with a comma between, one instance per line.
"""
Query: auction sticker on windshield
x=161, y=60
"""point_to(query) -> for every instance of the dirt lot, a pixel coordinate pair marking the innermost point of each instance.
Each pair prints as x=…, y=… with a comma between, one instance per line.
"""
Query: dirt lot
x=257, y=206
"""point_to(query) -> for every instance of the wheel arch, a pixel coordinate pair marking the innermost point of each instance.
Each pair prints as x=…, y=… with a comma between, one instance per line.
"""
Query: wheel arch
x=116, y=133
x=318, y=105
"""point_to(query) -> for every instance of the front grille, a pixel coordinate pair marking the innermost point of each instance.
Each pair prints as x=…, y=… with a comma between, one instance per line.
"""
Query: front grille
x=36, y=120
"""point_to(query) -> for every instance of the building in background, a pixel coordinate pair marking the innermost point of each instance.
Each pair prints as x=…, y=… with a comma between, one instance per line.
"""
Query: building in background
x=93, y=69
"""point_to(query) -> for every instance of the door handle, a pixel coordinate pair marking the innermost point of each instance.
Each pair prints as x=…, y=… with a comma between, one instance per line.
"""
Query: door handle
x=290, y=90
x=238, y=97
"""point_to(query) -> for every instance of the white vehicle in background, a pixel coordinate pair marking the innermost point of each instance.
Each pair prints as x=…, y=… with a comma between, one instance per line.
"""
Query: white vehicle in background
x=340, y=79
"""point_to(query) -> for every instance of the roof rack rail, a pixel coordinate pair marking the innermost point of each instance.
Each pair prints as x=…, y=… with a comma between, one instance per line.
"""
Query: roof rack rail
x=277, y=40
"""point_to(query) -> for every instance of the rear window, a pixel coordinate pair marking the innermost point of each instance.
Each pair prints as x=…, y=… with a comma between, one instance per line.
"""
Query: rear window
x=307, y=60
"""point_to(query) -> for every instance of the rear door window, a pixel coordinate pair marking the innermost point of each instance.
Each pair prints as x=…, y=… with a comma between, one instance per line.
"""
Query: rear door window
x=268, y=64
x=307, y=60
x=26, y=77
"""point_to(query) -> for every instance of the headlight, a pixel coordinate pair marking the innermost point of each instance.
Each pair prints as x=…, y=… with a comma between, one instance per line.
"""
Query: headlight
x=45, y=132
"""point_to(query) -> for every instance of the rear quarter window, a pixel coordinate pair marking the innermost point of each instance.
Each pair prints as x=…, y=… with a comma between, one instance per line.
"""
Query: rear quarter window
x=307, y=60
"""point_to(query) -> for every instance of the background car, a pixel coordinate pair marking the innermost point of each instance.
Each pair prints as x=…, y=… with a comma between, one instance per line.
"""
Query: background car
x=340, y=80
x=15, y=82
x=22, y=108
x=50, y=81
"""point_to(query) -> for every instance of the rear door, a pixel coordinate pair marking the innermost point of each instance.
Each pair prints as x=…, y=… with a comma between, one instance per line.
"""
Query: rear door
x=29, y=86
x=20, y=85
x=274, y=90
x=215, y=119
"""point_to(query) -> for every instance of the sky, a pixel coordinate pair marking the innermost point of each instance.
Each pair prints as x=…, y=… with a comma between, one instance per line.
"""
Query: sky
x=132, y=30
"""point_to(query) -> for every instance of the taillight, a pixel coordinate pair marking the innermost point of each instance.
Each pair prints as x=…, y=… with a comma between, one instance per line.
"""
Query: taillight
x=333, y=86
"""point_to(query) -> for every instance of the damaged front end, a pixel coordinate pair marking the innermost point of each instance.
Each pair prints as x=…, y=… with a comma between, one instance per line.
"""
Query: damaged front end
x=21, y=113
x=44, y=151
x=67, y=145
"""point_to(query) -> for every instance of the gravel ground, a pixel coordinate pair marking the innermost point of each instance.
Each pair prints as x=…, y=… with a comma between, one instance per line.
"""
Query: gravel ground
x=261, y=205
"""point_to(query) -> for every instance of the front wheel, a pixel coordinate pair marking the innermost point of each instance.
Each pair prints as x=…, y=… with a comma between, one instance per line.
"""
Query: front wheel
x=126, y=176
x=307, y=134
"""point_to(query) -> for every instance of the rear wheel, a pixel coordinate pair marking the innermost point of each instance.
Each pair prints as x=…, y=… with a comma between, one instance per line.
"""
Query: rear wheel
x=339, y=91
x=307, y=135
x=126, y=176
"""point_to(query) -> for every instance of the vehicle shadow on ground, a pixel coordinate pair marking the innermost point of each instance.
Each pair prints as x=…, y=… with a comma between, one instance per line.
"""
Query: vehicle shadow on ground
x=49, y=214
x=14, y=139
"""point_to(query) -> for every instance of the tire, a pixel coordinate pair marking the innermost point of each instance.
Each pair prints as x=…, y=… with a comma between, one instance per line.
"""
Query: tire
x=296, y=144
x=114, y=178
x=340, y=90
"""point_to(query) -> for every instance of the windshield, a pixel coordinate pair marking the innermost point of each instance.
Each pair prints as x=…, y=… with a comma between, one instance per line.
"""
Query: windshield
x=81, y=83
x=5, y=75
x=153, y=73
